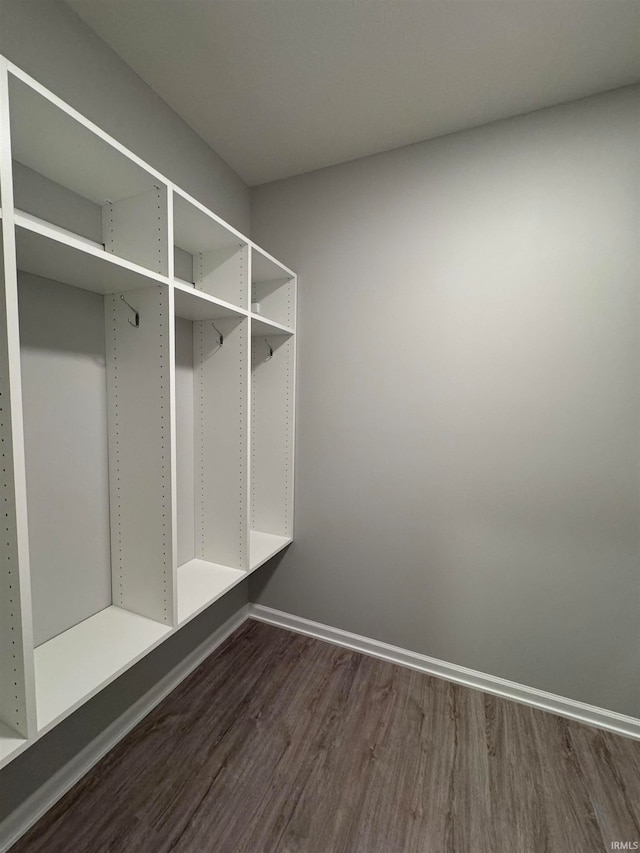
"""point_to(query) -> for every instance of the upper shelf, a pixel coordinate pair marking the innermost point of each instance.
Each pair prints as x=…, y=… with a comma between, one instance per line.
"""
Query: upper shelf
x=273, y=291
x=197, y=231
x=192, y=304
x=262, y=326
x=265, y=268
x=53, y=253
x=50, y=141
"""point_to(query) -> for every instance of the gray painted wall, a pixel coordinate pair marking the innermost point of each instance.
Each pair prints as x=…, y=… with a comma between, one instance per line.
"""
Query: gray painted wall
x=50, y=42
x=64, y=396
x=467, y=448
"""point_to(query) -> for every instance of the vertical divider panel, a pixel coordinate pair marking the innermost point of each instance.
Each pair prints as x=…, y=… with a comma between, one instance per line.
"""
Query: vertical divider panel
x=221, y=498
x=140, y=451
x=171, y=374
x=292, y=315
x=136, y=229
x=17, y=686
x=224, y=273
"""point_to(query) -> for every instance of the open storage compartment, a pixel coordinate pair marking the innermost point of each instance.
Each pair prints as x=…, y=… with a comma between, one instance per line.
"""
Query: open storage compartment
x=208, y=255
x=211, y=394
x=95, y=391
x=273, y=290
x=272, y=437
x=68, y=180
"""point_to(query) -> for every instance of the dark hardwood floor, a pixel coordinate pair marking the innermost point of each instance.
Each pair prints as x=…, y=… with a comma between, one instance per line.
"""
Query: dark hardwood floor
x=279, y=742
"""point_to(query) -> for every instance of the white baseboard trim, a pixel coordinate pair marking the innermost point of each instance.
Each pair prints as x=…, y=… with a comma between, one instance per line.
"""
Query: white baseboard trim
x=57, y=786
x=583, y=713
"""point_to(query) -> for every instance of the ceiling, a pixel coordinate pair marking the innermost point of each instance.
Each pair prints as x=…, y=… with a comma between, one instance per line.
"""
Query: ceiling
x=280, y=87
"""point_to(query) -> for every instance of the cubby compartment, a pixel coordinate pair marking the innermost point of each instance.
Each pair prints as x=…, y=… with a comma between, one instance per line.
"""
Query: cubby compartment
x=70, y=183
x=96, y=408
x=211, y=403
x=208, y=255
x=14, y=660
x=272, y=440
x=273, y=290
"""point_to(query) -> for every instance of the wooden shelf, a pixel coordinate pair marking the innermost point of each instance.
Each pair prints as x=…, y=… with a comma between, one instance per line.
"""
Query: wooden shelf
x=263, y=546
x=266, y=268
x=200, y=583
x=192, y=304
x=75, y=665
x=272, y=288
x=51, y=252
x=196, y=230
x=263, y=326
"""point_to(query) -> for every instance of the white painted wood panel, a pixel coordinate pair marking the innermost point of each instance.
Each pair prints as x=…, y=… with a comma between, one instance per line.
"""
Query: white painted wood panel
x=13, y=683
x=136, y=229
x=196, y=230
x=265, y=327
x=51, y=252
x=44, y=199
x=185, y=447
x=200, y=583
x=138, y=365
x=17, y=689
x=195, y=305
x=223, y=273
x=263, y=546
x=73, y=666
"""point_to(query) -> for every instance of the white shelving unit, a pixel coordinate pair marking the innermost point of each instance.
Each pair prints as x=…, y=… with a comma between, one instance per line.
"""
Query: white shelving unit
x=273, y=291
x=146, y=409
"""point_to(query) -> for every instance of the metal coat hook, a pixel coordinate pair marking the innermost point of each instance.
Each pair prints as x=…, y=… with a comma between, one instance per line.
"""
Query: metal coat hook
x=135, y=324
x=270, y=348
x=221, y=341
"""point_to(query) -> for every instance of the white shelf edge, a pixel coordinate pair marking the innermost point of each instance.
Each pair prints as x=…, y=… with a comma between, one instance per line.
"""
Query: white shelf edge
x=81, y=244
x=203, y=209
x=274, y=327
x=274, y=544
x=191, y=290
x=183, y=284
x=290, y=273
x=235, y=576
x=21, y=217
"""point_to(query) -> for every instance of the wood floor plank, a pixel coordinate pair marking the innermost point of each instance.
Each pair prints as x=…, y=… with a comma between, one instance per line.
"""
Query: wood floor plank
x=517, y=797
x=615, y=802
x=280, y=743
x=570, y=818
